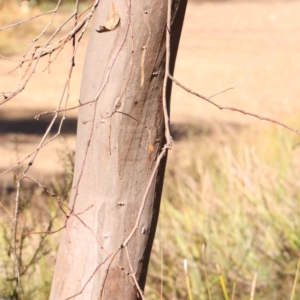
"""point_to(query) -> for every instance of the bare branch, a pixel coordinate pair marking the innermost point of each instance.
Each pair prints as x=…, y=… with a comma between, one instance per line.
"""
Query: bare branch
x=233, y=108
x=29, y=19
x=166, y=78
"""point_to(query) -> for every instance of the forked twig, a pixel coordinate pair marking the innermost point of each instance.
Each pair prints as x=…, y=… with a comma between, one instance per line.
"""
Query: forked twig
x=221, y=107
x=228, y=89
x=111, y=257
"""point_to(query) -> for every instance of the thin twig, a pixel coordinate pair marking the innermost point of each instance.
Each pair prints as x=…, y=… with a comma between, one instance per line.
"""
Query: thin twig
x=221, y=107
x=133, y=275
x=143, y=202
x=53, y=11
x=15, y=228
x=166, y=78
x=112, y=256
x=228, y=89
x=7, y=211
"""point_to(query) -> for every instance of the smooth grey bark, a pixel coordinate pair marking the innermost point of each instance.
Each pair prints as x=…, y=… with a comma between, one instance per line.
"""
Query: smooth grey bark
x=118, y=139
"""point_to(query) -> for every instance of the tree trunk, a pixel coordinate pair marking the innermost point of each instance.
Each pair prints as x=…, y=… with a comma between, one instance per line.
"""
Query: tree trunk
x=120, y=134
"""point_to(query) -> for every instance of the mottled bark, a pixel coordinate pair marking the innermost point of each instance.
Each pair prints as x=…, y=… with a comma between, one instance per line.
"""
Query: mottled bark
x=118, y=139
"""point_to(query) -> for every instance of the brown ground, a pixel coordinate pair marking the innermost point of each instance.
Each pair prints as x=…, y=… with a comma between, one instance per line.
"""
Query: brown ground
x=222, y=43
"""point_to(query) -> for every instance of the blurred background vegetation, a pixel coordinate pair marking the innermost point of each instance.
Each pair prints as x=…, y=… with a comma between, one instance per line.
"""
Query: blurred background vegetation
x=234, y=203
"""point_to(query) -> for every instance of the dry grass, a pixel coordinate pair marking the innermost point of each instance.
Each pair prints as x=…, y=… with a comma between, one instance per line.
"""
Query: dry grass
x=231, y=198
x=237, y=193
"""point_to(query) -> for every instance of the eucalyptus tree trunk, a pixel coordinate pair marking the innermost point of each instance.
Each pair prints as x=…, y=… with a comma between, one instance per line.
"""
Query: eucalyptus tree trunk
x=120, y=135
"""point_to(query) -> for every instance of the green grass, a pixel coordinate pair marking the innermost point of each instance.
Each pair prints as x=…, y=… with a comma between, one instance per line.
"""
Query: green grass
x=237, y=193
x=230, y=207
x=37, y=252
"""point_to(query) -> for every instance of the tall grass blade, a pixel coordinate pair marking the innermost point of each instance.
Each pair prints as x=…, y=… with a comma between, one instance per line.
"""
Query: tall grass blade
x=205, y=273
x=207, y=285
x=253, y=286
x=222, y=282
x=233, y=291
x=295, y=281
x=187, y=279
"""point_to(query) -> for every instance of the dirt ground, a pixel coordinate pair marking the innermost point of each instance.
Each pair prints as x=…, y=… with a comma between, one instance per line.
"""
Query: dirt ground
x=222, y=43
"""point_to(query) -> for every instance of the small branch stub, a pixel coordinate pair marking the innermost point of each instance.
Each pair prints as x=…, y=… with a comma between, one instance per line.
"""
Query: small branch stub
x=112, y=21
